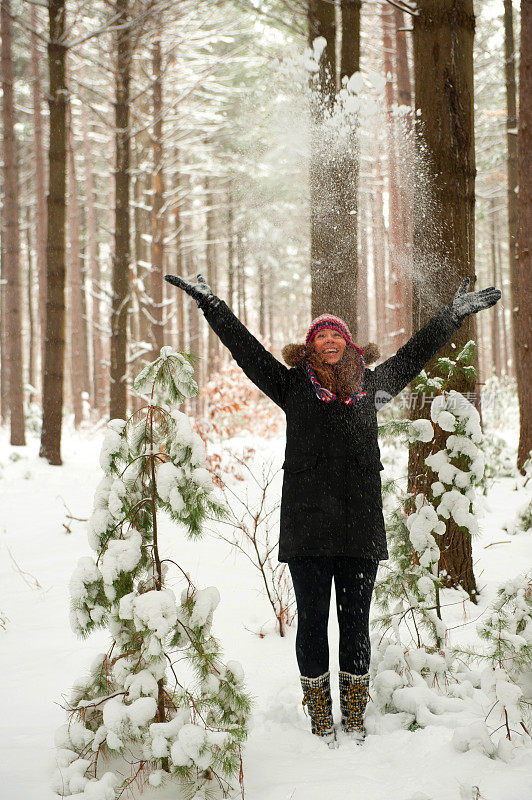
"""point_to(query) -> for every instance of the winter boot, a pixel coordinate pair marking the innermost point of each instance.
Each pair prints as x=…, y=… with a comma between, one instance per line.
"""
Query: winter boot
x=317, y=698
x=354, y=692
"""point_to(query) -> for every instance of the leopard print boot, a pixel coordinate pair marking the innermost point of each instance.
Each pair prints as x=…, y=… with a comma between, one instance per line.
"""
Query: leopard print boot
x=354, y=693
x=317, y=698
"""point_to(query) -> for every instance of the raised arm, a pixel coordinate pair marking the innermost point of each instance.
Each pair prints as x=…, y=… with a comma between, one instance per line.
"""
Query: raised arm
x=396, y=372
x=260, y=366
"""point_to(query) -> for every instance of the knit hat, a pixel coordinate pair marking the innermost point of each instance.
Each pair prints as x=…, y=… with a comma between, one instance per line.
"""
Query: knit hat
x=330, y=321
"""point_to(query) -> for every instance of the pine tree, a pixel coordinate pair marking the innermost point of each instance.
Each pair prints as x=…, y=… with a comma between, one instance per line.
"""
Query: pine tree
x=522, y=522
x=413, y=641
x=133, y=708
x=417, y=675
x=505, y=715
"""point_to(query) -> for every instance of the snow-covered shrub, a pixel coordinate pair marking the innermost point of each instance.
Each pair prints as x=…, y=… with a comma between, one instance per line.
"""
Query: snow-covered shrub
x=522, y=521
x=411, y=668
x=133, y=707
x=500, y=405
x=505, y=678
x=408, y=666
x=500, y=458
x=416, y=675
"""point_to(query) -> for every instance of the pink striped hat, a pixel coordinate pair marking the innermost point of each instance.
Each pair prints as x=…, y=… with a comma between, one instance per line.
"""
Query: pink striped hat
x=330, y=321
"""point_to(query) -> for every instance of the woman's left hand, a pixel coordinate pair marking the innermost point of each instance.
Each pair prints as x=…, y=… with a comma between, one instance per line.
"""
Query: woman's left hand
x=465, y=303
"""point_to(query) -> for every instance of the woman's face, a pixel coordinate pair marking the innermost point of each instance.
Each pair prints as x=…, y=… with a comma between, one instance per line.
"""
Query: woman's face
x=330, y=345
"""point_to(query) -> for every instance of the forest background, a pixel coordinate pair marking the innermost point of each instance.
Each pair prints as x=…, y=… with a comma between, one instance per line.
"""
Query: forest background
x=359, y=158
x=356, y=158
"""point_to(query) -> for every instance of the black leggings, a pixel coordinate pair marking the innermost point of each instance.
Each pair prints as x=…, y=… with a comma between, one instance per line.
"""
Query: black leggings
x=353, y=581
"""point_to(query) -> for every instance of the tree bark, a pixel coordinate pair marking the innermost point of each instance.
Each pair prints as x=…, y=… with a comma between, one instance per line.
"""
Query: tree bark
x=210, y=259
x=379, y=266
x=404, y=99
x=350, y=44
x=32, y=338
x=11, y=234
x=494, y=281
x=179, y=228
x=4, y=385
x=77, y=354
x=121, y=256
x=444, y=242
x=141, y=229
x=362, y=291
x=396, y=327
x=55, y=242
x=241, y=280
x=507, y=358
x=157, y=216
x=511, y=166
x=262, y=299
x=93, y=270
x=40, y=180
x=523, y=308
x=333, y=174
x=230, y=249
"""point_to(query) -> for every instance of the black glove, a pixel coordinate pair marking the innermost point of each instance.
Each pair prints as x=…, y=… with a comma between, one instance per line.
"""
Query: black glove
x=201, y=291
x=464, y=304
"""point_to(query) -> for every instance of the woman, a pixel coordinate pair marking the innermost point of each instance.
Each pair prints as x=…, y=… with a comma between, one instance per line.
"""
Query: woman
x=332, y=524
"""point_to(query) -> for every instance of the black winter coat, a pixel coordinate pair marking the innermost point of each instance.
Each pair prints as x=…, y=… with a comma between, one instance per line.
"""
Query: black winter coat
x=331, y=499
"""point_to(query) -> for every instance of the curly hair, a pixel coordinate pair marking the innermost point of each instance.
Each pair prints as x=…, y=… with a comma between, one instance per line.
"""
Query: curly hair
x=343, y=378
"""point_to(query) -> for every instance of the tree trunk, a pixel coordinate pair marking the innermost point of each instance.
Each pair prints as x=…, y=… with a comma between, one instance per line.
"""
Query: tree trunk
x=507, y=359
x=11, y=234
x=511, y=166
x=4, y=386
x=77, y=353
x=40, y=180
x=523, y=307
x=157, y=216
x=404, y=99
x=494, y=281
x=194, y=347
x=241, y=280
x=210, y=259
x=55, y=239
x=262, y=299
x=378, y=235
x=179, y=228
x=32, y=338
x=141, y=232
x=230, y=250
x=363, y=294
x=444, y=244
x=333, y=175
x=120, y=281
x=350, y=44
x=93, y=270
x=397, y=303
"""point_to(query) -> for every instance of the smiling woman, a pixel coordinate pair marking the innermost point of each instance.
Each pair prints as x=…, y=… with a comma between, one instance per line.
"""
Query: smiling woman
x=330, y=345
x=332, y=525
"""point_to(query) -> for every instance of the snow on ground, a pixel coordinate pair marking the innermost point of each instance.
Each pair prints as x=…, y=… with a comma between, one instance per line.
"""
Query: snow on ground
x=40, y=657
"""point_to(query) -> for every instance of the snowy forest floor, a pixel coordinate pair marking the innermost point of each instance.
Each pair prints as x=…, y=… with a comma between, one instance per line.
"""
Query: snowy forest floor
x=40, y=658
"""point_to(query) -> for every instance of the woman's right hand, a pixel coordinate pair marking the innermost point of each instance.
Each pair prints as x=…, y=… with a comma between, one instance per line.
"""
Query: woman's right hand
x=201, y=291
